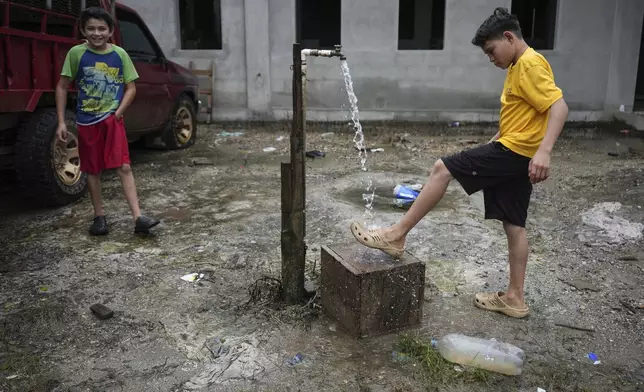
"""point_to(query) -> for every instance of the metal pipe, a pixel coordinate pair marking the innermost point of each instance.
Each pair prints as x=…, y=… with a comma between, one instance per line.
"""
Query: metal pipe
x=293, y=181
x=337, y=52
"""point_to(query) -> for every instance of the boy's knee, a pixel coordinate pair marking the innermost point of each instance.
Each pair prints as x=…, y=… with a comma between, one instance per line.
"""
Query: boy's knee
x=440, y=170
x=125, y=169
x=513, y=230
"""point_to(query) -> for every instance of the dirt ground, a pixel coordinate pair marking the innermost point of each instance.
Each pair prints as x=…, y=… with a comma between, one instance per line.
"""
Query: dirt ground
x=220, y=204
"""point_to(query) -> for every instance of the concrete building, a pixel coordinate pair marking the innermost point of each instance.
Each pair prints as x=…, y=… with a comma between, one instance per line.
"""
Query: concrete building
x=410, y=59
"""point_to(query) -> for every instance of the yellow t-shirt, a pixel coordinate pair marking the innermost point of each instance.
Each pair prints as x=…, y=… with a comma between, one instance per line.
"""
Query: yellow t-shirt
x=528, y=92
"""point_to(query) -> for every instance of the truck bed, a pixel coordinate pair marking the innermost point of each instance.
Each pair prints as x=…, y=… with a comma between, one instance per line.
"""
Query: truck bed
x=34, y=41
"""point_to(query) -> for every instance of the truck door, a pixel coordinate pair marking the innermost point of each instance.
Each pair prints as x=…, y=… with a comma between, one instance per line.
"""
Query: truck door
x=152, y=105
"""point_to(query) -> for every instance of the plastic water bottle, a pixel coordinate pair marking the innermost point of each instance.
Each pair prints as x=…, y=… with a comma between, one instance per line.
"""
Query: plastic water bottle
x=488, y=354
x=403, y=192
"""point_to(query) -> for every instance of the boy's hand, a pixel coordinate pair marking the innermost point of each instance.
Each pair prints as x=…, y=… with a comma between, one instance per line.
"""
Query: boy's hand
x=539, y=168
x=61, y=132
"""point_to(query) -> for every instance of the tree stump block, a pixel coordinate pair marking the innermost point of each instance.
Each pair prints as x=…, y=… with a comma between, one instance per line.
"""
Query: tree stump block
x=369, y=293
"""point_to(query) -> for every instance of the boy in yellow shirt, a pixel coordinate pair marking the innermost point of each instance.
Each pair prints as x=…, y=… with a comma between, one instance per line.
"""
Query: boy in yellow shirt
x=533, y=113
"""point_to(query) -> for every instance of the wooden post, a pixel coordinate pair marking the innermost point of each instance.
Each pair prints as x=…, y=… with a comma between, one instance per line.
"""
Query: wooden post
x=293, y=231
x=287, y=231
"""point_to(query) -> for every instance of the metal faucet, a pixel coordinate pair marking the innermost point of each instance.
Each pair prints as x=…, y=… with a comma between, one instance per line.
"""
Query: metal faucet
x=337, y=52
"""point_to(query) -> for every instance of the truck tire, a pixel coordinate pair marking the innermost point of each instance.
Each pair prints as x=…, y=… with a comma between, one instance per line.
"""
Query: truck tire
x=48, y=170
x=181, y=131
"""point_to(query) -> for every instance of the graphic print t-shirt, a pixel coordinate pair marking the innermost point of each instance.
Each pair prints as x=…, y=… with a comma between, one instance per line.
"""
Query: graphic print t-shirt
x=100, y=78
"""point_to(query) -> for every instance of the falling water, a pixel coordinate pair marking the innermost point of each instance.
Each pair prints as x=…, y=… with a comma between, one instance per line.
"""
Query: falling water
x=358, y=139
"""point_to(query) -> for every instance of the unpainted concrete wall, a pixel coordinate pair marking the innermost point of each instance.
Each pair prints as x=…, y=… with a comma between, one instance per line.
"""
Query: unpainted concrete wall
x=595, y=60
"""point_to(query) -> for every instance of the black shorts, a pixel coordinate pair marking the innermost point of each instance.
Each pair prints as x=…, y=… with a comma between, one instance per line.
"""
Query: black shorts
x=502, y=175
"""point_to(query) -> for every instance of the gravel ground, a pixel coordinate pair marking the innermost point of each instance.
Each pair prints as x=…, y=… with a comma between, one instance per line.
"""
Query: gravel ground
x=220, y=206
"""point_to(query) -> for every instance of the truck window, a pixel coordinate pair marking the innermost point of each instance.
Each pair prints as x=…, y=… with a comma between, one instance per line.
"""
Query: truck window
x=134, y=37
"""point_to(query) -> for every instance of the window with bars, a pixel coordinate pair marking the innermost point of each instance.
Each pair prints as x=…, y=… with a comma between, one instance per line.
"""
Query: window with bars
x=319, y=23
x=421, y=24
x=538, y=20
x=200, y=22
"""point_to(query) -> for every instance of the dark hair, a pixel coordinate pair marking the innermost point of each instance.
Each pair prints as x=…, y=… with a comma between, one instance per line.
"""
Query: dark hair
x=495, y=25
x=96, y=13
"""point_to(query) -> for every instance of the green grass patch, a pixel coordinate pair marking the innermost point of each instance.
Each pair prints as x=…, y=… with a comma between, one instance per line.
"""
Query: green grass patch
x=439, y=372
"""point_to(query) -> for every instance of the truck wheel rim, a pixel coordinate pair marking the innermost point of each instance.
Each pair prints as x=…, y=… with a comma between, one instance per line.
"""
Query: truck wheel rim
x=183, y=125
x=67, y=160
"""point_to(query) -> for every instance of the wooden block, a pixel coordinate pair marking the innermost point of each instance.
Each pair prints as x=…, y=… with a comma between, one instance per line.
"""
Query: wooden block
x=369, y=293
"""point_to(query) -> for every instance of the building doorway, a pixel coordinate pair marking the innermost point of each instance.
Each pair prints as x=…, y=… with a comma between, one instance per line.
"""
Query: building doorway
x=638, y=105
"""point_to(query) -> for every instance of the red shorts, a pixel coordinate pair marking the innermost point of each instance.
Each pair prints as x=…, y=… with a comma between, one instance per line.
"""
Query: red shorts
x=103, y=145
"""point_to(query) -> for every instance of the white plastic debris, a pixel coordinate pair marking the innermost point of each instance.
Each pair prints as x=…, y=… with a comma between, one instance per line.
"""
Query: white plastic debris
x=193, y=277
x=269, y=149
x=541, y=390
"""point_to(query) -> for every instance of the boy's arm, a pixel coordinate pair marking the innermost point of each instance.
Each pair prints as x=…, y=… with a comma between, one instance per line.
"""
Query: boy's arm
x=538, y=88
x=70, y=67
x=539, y=169
x=61, y=98
x=128, y=97
x=129, y=76
x=556, y=121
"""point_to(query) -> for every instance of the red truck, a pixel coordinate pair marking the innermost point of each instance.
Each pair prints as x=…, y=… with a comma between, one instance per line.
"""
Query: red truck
x=35, y=36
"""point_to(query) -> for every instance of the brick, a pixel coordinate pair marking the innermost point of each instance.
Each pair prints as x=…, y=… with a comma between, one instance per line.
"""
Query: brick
x=101, y=311
x=369, y=293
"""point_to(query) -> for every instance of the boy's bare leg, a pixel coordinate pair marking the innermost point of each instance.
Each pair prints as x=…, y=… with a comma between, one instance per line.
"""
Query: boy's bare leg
x=94, y=185
x=129, y=188
x=518, y=255
x=432, y=193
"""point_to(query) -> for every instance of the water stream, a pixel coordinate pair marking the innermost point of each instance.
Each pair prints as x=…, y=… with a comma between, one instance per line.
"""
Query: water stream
x=358, y=139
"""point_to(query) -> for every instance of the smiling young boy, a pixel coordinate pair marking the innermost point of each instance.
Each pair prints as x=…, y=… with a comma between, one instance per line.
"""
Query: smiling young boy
x=105, y=76
x=533, y=113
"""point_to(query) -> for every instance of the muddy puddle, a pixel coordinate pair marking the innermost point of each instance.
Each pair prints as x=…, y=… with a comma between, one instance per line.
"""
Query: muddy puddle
x=384, y=199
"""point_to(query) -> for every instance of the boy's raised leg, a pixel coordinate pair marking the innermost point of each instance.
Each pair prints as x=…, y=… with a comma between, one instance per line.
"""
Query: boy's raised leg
x=141, y=223
x=392, y=239
x=429, y=196
x=99, y=225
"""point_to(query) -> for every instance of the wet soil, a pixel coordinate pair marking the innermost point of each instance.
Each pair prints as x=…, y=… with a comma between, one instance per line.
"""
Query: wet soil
x=220, y=207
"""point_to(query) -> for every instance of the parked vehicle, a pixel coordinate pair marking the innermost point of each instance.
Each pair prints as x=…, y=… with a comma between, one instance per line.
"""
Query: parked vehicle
x=35, y=36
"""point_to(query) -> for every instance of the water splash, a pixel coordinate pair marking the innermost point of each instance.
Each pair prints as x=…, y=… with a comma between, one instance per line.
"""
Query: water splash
x=358, y=138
